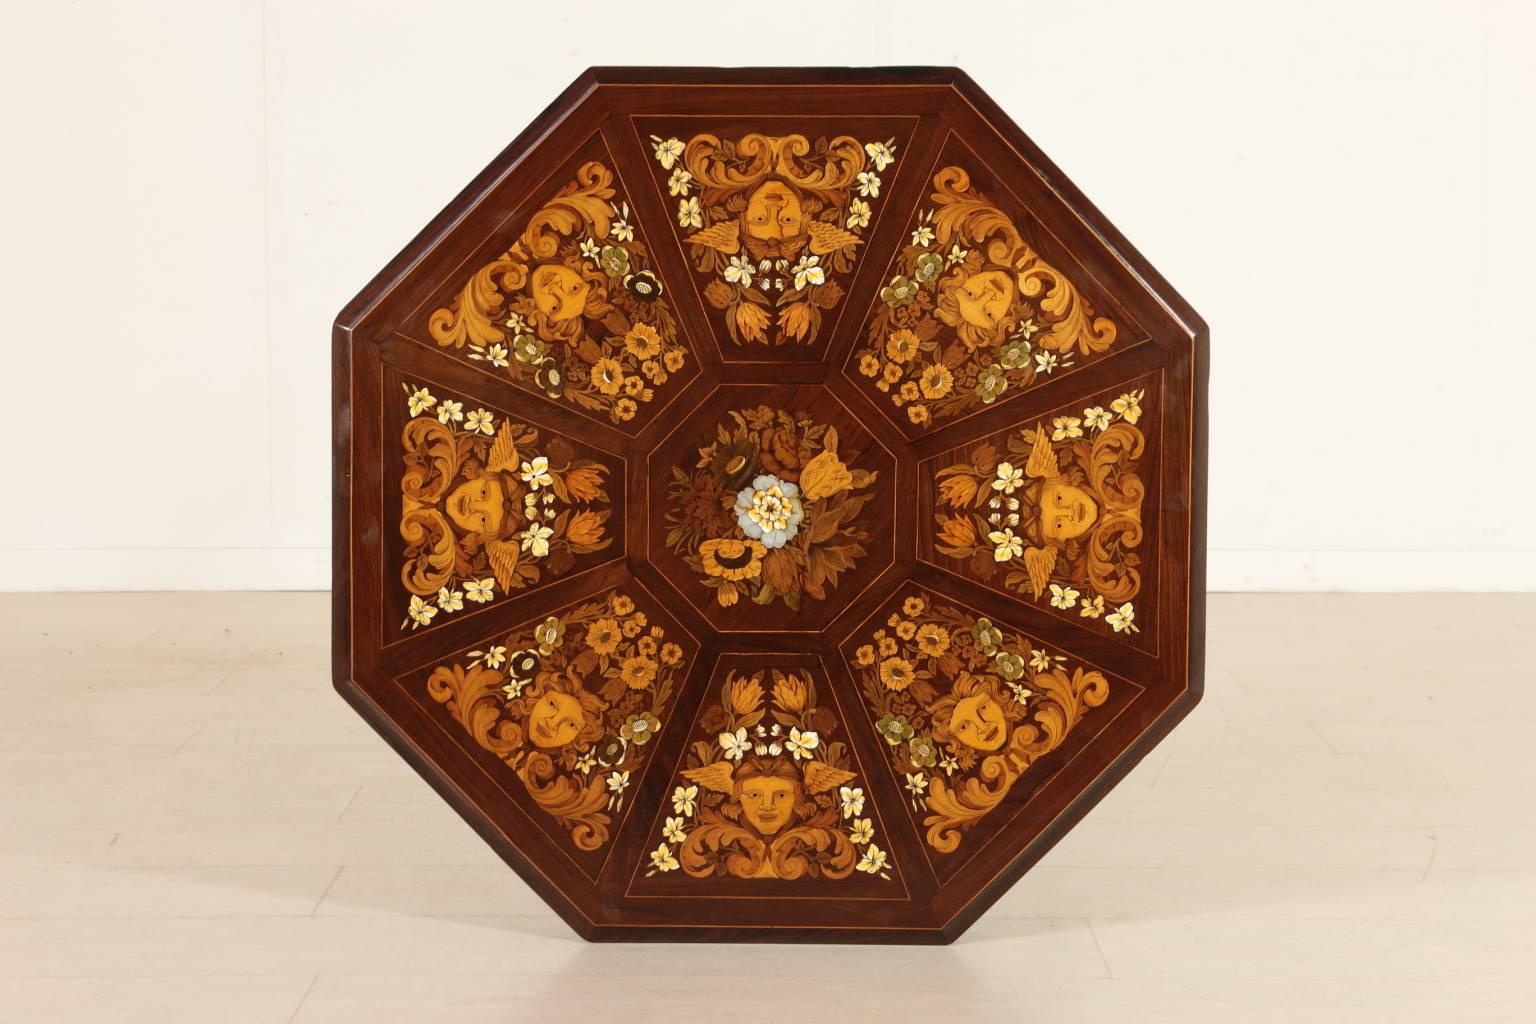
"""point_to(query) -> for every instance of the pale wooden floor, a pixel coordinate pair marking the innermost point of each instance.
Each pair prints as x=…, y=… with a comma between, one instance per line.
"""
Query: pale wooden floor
x=193, y=827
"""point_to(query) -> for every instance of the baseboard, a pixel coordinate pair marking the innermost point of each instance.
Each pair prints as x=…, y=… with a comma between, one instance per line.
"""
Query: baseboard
x=29, y=569
x=1373, y=571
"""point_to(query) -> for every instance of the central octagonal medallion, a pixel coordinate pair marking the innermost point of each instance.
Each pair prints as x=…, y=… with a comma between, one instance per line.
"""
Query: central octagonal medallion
x=771, y=508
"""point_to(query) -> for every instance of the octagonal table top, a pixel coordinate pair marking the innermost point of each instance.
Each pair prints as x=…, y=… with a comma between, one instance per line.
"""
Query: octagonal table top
x=770, y=504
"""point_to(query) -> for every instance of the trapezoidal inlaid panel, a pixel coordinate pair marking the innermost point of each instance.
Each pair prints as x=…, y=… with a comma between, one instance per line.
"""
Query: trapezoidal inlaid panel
x=569, y=304
x=770, y=797
x=775, y=214
x=975, y=309
x=1058, y=512
x=968, y=707
x=490, y=505
x=570, y=707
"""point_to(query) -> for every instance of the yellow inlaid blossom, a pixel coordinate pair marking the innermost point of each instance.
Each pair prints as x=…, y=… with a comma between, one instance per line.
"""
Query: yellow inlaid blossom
x=896, y=673
x=936, y=381
x=732, y=559
x=824, y=475
x=643, y=341
x=901, y=346
x=607, y=376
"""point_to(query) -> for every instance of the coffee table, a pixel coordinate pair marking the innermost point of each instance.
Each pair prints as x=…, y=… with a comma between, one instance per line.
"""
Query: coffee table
x=769, y=504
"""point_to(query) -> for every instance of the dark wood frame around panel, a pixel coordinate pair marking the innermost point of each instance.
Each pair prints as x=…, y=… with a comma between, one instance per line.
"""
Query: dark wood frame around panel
x=379, y=334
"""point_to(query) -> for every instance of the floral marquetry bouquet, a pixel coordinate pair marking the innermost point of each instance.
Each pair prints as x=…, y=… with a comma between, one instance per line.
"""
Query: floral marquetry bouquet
x=772, y=795
x=571, y=705
x=965, y=708
x=770, y=509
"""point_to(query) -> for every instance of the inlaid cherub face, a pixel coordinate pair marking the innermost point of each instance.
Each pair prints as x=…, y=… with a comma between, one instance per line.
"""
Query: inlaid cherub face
x=1066, y=511
x=767, y=803
x=983, y=299
x=774, y=212
x=555, y=720
x=978, y=722
x=477, y=506
x=558, y=291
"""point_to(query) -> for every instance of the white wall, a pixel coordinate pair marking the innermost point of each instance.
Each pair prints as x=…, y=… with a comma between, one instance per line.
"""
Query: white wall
x=193, y=190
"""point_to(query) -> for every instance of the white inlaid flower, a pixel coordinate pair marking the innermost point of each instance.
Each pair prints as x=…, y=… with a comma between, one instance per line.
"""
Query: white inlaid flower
x=1009, y=478
x=735, y=745
x=536, y=539
x=480, y=422
x=1129, y=405
x=770, y=510
x=881, y=154
x=1063, y=597
x=1006, y=543
x=1123, y=619
x=869, y=184
x=667, y=151
x=681, y=182
x=689, y=213
x=480, y=591
x=1064, y=427
x=662, y=859
x=801, y=744
x=420, y=401
x=535, y=472
x=858, y=214
x=450, y=411
x=808, y=271
x=873, y=861
x=853, y=800
x=740, y=271
x=421, y=612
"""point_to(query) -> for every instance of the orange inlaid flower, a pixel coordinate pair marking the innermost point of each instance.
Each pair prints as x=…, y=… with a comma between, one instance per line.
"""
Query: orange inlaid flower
x=603, y=636
x=733, y=559
x=896, y=673
x=638, y=672
x=901, y=346
x=643, y=341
